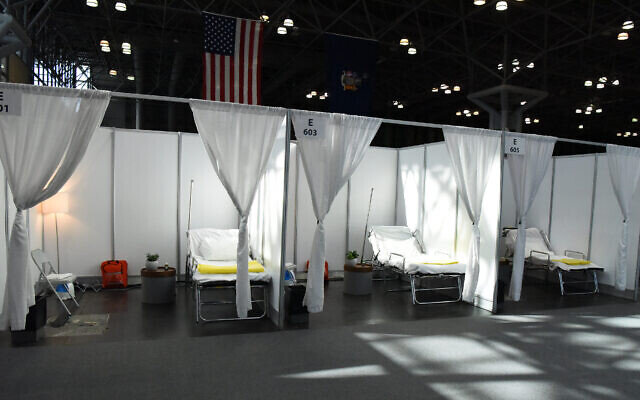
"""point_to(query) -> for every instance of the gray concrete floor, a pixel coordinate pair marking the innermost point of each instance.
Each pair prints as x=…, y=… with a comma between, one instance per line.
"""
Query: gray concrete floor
x=369, y=347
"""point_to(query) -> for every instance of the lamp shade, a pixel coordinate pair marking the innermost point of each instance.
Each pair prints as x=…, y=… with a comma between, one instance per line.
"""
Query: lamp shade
x=57, y=204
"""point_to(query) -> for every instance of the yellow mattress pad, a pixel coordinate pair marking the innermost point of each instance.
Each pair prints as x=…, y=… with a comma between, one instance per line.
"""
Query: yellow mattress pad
x=254, y=266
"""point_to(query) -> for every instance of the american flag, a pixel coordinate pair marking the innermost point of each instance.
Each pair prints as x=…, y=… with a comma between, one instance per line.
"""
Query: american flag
x=232, y=59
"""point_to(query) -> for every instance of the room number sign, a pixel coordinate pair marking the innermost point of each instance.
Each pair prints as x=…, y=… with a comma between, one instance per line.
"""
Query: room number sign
x=312, y=128
x=10, y=102
x=514, y=145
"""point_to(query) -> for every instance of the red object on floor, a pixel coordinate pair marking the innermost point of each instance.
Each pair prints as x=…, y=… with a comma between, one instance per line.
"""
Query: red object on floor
x=114, y=273
x=326, y=270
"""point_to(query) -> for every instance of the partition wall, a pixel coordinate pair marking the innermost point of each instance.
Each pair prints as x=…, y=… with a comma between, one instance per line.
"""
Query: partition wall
x=130, y=193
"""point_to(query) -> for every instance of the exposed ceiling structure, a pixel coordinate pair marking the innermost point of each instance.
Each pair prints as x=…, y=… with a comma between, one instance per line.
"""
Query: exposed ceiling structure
x=558, y=46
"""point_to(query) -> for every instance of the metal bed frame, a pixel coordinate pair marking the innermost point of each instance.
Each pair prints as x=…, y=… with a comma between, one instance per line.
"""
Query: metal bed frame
x=200, y=287
x=381, y=265
x=548, y=266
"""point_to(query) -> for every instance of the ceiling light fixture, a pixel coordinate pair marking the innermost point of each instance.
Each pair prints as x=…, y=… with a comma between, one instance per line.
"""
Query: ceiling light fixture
x=500, y=67
x=602, y=79
x=131, y=77
x=404, y=42
x=444, y=86
x=287, y=22
x=501, y=5
x=635, y=134
x=411, y=50
x=578, y=111
x=600, y=86
x=309, y=95
x=322, y=97
x=598, y=110
x=531, y=65
x=448, y=91
x=314, y=93
x=456, y=88
x=113, y=72
x=536, y=120
x=466, y=111
x=615, y=82
x=121, y=6
x=587, y=112
x=588, y=83
x=623, y=36
x=626, y=25
x=104, y=43
x=619, y=134
x=434, y=90
x=479, y=2
x=400, y=106
x=282, y=30
x=264, y=17
x=476, y=112
x=92, y=3
x=515, y=62
x=634, y=119
x=580, y=126
x=106, y=49
x=458, y=113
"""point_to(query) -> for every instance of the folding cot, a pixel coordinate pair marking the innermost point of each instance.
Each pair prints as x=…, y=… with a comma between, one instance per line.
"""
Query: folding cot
x=211, y=265
x=396, y=248
x=540, y=254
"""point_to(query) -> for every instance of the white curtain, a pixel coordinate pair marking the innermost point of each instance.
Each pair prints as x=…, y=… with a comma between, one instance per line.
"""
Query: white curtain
x=331, y=146
x=527, y=172
x=624, y=168
x=239, y=140
x=44, y=134
x=474, y=153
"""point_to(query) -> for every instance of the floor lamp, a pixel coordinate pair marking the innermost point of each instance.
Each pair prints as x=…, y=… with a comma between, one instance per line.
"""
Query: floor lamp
x=56, y=205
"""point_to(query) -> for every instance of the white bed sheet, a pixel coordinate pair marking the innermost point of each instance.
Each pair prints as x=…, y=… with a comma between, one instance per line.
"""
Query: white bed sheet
x=416, y=264
x=198, y=277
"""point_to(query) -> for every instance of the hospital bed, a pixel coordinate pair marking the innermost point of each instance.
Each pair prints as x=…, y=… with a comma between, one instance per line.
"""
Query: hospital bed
x=397, y=249
x=540, y=255
x=211, y=266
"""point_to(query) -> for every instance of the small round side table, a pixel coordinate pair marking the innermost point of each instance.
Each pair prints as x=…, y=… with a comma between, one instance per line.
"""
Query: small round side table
x=158, y=286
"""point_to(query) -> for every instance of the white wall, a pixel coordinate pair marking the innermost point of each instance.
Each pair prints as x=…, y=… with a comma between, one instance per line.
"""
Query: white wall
x=607, y=228
x=3, y=239
x=85, y=232
x=291, y=202
x=211, y=206
x=571, y=213
x=440, y=191
x=265, y=218
x=146, y=181
x=508, y=213
x=410, y=187
x=539, y=212
x=377, y=171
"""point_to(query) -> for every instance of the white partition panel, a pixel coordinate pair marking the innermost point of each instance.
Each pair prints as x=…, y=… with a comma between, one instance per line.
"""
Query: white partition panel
x=607, y=227
x=572, y=193
x=291, y=203
x=410, y=187
x=335, y=225
x=440, y=191
x=508, y=214
x=85, y=231
x=378, y=171
x=538, y=216
x=489, y=236
x=3, y=238
x=265, y=219
x=211, y=206
x=146, y=180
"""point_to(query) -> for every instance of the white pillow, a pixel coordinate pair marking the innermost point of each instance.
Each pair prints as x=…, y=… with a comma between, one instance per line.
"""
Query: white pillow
x=222, y=248
x=406, y=247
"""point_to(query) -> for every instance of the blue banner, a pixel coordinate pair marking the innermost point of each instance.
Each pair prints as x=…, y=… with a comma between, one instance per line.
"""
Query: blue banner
x=351, y=65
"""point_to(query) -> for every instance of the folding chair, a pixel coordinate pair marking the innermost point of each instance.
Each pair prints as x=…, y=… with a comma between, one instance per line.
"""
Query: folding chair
x=54, y=278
